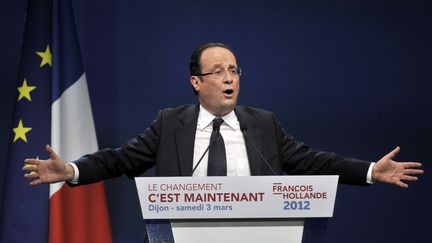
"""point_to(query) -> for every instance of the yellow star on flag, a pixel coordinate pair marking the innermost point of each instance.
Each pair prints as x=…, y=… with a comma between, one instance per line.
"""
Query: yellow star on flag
x=46, y=56
x=20, y=131
x=24, y=91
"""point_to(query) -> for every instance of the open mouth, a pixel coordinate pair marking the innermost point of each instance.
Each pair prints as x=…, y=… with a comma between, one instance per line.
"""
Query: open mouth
x=228, y=91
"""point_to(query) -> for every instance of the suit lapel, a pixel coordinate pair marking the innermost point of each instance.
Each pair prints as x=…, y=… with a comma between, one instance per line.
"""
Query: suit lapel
x=247, y=124
x=185, y=139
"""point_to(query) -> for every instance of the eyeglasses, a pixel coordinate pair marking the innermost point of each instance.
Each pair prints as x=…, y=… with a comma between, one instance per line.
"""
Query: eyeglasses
x=220, y=73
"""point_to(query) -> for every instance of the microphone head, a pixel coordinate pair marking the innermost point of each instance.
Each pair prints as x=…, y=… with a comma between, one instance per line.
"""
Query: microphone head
x=243, y=128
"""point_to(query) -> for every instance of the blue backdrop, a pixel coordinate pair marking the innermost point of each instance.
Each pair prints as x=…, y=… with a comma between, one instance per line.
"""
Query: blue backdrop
x=351, y=77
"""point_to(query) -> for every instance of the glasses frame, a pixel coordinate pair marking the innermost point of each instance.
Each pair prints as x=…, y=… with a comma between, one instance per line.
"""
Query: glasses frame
x=239, y=73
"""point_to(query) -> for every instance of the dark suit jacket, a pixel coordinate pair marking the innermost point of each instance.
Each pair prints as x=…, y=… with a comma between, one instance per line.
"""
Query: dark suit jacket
x=168, y=144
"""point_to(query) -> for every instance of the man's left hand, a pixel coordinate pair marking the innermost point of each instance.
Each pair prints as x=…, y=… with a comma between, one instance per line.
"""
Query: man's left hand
x=389, y=171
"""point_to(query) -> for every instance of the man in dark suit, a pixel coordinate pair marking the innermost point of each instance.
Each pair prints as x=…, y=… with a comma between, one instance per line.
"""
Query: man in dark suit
x=251, y=141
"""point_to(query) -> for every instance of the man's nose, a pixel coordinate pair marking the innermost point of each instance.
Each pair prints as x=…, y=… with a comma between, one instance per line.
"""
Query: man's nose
x=228, y=78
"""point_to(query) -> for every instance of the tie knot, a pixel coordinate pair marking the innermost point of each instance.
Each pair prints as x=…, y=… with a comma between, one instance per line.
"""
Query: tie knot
x=217, y=123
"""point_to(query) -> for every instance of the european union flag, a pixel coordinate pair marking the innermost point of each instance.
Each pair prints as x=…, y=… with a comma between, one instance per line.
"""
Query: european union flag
x=24, y=216
x=51, y=89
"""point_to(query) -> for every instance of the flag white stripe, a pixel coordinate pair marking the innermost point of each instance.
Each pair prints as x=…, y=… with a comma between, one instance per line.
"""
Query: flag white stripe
x=73, y=132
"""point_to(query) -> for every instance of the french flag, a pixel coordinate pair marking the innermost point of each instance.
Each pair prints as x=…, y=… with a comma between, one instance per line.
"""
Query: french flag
x=76, y=214
x=53, y=106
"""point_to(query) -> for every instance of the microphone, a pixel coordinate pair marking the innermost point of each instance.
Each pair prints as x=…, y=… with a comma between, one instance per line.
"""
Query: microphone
x=244, y=129
x=202, y=156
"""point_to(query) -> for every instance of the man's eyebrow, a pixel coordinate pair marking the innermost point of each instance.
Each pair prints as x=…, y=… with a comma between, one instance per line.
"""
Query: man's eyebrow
x=220, y=65
x=217, y=65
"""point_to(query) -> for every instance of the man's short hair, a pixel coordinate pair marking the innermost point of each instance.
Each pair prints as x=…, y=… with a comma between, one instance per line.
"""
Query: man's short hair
x=195, y=62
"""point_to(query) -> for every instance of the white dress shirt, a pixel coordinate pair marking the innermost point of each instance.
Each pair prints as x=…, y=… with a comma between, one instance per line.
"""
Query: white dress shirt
x=235, y=147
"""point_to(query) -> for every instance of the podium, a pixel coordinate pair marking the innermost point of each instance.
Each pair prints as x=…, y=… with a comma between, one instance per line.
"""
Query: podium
x=233, y=209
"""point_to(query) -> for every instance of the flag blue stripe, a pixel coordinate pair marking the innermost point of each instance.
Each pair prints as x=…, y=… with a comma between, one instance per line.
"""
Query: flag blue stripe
x=66, y=50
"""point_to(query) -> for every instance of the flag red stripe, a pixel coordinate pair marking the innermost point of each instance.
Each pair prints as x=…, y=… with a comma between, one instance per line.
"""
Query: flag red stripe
x=79, y=214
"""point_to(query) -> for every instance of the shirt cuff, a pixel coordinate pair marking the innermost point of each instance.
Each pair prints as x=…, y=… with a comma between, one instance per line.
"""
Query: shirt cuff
x=76, y=173
x=369, y=179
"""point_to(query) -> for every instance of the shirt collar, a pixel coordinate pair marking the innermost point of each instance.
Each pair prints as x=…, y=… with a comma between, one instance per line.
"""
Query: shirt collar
x=205, y=119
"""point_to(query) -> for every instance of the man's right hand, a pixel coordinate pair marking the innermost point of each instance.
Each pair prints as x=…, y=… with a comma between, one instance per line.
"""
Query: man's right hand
x=51, y=170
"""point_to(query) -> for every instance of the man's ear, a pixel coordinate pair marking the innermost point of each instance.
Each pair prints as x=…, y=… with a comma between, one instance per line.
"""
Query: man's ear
x=195, y=83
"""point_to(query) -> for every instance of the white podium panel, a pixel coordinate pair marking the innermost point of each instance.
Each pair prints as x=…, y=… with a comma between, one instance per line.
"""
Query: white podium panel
x=237, y=197
x=238, y=231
